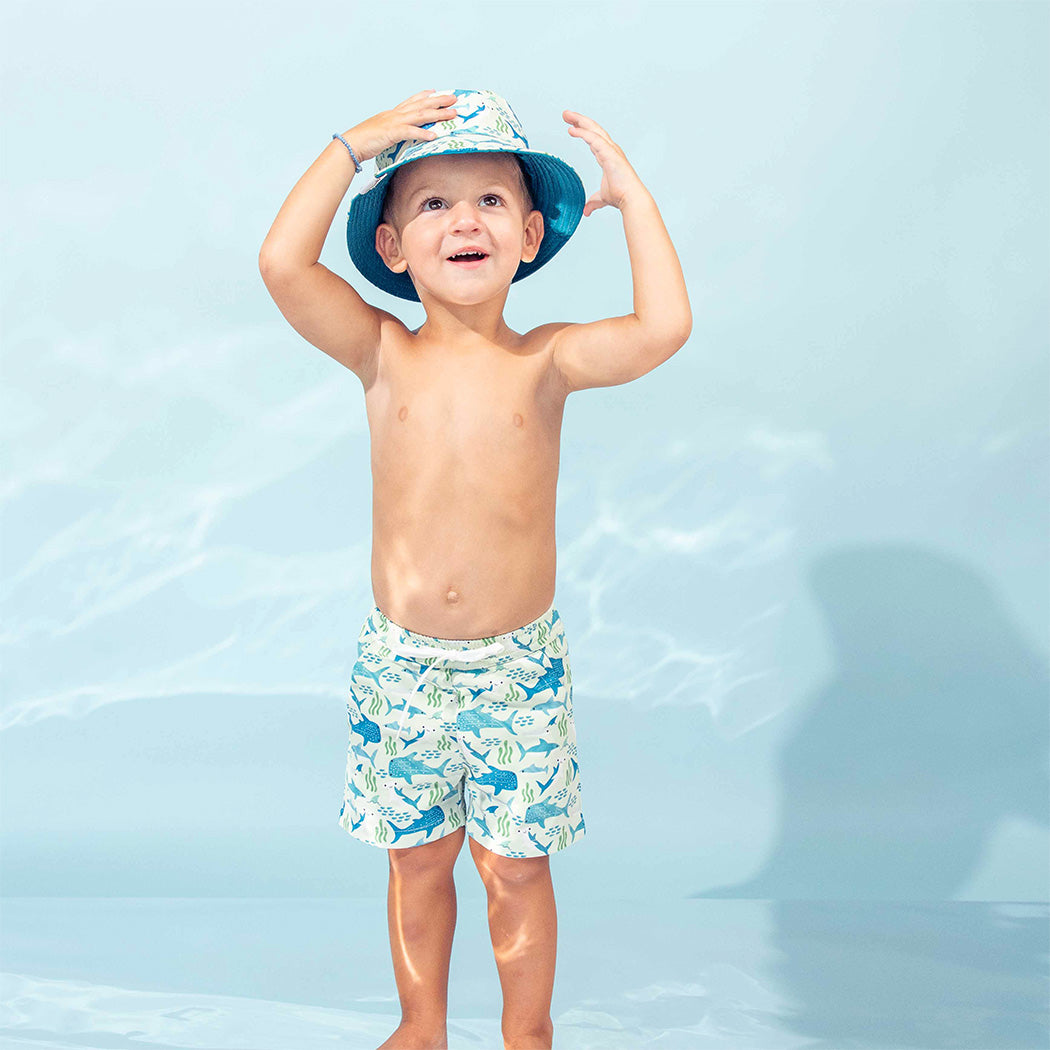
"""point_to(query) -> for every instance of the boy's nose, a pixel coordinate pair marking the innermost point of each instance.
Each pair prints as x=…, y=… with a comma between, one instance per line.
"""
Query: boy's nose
x=464, y=216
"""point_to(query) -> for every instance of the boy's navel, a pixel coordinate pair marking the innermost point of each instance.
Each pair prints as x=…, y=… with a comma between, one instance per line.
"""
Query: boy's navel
x=452, y=596
x=402, y=412
x=518, y=421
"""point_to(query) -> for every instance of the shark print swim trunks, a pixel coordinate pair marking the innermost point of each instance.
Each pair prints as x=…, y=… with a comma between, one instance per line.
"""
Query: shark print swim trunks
x=477, y=731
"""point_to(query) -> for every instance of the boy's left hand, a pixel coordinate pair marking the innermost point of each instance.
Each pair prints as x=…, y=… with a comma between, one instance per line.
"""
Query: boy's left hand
x=619, y=179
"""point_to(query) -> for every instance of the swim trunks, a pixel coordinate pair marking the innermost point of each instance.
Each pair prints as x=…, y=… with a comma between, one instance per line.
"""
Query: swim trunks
x=477, y=731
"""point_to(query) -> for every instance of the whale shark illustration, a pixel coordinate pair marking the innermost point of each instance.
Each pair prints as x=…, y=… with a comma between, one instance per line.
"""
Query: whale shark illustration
x=476, y=721
x=499, y=780
x=540, y=812
x=427, y=820
x=366, y=729
x=405, y=768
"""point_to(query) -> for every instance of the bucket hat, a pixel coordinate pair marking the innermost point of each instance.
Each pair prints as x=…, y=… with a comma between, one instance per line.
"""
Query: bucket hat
x=484, y=123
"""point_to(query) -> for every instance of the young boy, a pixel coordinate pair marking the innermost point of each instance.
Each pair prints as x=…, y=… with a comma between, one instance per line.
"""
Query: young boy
x=460, y=705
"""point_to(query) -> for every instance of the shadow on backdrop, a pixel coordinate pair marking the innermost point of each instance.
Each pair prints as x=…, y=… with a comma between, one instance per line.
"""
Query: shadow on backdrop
x=932, y=729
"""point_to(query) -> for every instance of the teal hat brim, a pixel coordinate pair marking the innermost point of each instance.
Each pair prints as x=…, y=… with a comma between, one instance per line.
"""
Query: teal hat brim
x=557, y=193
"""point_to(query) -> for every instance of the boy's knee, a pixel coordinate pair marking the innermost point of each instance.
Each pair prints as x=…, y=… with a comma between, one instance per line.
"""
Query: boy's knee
x=529, y=1034
x=508, y=869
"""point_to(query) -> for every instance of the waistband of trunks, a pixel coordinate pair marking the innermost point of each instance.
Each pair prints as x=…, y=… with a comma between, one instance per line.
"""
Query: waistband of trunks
x=532, y=635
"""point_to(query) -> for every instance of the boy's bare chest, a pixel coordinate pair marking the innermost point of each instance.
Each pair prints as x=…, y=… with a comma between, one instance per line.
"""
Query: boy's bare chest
x=464, y=419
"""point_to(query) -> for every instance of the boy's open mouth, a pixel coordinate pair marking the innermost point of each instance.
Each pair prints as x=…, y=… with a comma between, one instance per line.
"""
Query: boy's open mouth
x=469, y=258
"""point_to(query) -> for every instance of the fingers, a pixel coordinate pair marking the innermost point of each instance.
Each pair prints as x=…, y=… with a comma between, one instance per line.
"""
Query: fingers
x=424, y=108
x=427, y=101
x=427, y=93
x=584, y=123
x=601, y=146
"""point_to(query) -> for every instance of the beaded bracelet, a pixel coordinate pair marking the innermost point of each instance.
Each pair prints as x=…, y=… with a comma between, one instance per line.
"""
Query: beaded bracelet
x=353, y=156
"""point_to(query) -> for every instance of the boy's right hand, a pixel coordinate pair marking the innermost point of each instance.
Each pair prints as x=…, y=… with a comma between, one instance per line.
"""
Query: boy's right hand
x=372, y=136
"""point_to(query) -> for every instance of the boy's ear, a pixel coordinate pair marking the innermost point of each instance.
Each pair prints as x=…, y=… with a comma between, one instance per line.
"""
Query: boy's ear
x=389, y=247
x=533, y=236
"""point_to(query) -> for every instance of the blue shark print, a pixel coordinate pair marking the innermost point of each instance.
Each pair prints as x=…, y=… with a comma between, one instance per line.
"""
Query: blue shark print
x=496, y=778
x=542, y=811
x=499, y=780
x=352, y=827
x=474, y=733
x=405, y=768
x=481, y=826
x=473, y=113
x=476, y=721
x=555, y=705
x=367, y=729
x=426, y=822
x=539, y=845
x=550, y=679
x=543, y=787
x=544, y=747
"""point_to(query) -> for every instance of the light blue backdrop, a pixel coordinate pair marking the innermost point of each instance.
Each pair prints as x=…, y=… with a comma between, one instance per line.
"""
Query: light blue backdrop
x=802, y=566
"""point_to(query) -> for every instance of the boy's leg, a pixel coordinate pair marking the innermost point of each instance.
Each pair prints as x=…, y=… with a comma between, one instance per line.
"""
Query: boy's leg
x=524, y=928
x=421, y=911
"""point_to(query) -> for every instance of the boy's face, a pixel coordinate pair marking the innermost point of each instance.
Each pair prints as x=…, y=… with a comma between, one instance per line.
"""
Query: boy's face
x=444, y=204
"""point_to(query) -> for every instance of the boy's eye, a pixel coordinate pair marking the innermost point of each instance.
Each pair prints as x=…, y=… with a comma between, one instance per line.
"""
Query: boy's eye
x=430, y=200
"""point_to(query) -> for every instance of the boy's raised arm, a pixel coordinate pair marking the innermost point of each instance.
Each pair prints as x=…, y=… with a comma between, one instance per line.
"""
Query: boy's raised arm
x=616, y=350
x=319, y=304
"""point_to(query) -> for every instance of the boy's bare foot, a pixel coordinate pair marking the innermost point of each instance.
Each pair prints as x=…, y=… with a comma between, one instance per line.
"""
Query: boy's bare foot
x=411, y=1037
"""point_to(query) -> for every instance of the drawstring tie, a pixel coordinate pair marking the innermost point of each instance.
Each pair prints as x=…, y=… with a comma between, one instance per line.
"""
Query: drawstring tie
x=449, y=655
